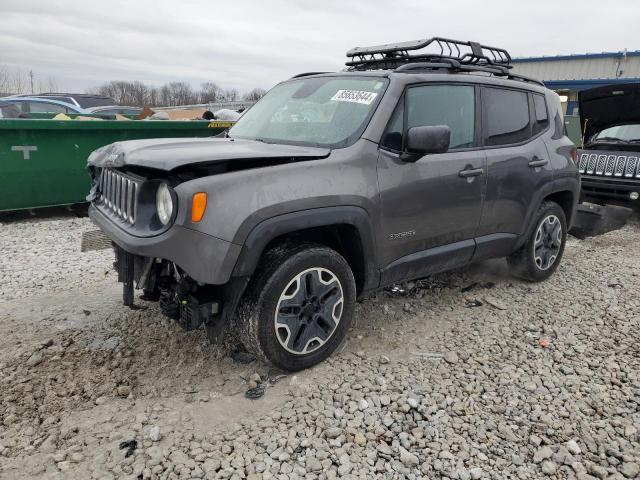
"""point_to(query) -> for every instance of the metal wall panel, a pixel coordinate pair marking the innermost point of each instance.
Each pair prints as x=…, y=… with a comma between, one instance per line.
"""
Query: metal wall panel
x=580, y=68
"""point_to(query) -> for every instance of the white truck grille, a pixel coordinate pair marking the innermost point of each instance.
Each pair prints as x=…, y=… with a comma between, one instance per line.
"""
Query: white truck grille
x=609, y=165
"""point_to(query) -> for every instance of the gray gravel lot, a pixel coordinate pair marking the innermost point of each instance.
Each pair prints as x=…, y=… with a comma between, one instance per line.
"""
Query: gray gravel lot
x=539, y=381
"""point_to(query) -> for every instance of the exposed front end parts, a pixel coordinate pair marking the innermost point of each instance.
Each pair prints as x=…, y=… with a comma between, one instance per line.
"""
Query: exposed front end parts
x=181, y=298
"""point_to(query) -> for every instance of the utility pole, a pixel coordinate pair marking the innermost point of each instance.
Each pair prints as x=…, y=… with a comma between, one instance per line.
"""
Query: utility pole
x=31, y=77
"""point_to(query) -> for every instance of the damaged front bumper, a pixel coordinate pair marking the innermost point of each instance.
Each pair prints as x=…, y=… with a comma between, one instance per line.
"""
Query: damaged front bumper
x=206, y=259
x=188, y=272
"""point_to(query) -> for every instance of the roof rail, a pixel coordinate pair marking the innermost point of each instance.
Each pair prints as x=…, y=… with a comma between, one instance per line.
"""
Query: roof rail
x=453, y=66
x=395, y=54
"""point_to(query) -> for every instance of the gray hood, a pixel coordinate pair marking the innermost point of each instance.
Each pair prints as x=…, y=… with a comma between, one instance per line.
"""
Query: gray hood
x=172, y=153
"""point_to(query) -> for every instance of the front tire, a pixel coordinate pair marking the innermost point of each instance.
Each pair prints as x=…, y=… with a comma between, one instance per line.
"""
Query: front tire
x=540, y=256
x=298, y=306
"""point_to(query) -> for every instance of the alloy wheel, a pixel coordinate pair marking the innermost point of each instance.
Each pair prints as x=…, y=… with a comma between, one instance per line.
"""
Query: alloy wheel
x=308, y=311
x=548, y=242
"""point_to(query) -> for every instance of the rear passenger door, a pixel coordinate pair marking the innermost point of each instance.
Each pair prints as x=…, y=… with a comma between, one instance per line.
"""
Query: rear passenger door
x=518, y=163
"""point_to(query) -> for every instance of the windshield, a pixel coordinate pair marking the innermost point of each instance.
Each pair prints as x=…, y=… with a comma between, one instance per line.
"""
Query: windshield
x=621, y=133
x=321, y=111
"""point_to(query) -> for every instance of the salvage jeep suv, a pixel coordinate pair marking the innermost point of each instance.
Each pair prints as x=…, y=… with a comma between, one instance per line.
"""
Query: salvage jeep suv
x=610, y=158
x=337, y=184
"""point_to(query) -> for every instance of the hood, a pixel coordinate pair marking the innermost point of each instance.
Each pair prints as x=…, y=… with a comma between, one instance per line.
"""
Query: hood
x=172, y=153
x=608, y=106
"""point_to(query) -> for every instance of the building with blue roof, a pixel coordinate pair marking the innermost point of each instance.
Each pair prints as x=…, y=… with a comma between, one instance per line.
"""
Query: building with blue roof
x=568, y=74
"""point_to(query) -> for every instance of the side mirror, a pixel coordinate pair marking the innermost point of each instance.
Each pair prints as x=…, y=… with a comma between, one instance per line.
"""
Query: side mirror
x=426, y=139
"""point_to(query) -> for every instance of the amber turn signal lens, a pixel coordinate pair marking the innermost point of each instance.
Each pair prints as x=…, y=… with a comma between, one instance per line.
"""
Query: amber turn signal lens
x=198, y=206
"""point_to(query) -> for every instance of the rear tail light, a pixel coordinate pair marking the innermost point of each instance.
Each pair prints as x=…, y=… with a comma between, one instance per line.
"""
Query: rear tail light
x=574, y=155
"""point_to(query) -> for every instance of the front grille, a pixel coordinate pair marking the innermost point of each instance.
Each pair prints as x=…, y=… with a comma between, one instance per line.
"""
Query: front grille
x=631, y=167
x=582, y=166
x=619, y=166
x=609, y=165
x=118, y=194
x=602, y=162
x=591, y=166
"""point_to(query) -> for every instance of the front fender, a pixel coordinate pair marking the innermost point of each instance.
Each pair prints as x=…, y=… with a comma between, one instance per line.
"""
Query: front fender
x=267, y=230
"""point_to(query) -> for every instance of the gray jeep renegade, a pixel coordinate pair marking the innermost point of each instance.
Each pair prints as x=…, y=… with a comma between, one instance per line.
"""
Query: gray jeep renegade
x=420, y=157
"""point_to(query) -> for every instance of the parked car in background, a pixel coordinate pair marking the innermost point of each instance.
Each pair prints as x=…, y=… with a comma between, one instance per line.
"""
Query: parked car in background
x=610, y=154
x=115, y=109
x=337, y=184
x=81, y=100
x=43, y=105
x=9, y=110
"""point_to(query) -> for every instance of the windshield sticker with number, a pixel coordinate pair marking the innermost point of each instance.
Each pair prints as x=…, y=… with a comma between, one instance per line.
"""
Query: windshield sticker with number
x=354, y=96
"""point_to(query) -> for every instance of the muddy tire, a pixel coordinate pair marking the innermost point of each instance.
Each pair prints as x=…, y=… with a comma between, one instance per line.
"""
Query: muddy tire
x=298, y=306
x=541, y=254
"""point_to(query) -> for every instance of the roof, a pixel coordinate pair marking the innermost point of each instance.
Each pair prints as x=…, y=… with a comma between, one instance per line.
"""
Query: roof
x=428, y=75
x=577, y=71
x=61, y=94
x=577, y=56
x=19, y=99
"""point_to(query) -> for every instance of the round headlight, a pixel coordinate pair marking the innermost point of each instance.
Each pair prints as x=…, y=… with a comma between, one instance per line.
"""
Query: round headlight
x=164, y=203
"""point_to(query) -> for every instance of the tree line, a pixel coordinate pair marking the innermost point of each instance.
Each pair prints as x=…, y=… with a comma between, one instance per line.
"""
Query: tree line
x=15, y=80
x=173, y=93
x=139, y=94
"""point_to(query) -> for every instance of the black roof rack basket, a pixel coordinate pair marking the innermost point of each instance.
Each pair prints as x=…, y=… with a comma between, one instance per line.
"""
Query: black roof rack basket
x=394, y=55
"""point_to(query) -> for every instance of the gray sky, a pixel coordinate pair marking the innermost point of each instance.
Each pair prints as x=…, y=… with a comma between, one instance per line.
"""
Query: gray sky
x=251, y=43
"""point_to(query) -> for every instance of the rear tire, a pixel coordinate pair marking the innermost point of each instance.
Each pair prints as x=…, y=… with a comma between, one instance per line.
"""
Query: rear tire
x=298, y=306
x=541, y=254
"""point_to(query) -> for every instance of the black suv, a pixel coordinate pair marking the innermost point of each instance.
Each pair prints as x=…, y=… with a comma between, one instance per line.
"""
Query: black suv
x=337, y=184
x=610, y=158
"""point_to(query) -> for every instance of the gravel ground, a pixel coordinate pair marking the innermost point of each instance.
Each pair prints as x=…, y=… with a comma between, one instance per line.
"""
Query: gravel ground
x=534, y=381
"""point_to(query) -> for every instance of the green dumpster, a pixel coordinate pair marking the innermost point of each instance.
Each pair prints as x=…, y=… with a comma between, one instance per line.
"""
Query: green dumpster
x=572, y=125
x=43, y=162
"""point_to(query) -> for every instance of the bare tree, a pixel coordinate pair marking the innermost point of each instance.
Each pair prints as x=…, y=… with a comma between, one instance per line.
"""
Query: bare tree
x=255, y=94
x=231, y=95
x=13, y=80
x=209, y=92
x=51, y=84
x=181, y=93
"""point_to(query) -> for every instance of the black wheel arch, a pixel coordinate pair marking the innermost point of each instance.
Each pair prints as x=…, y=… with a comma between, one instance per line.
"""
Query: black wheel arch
x=346, y=229
x=564, y=192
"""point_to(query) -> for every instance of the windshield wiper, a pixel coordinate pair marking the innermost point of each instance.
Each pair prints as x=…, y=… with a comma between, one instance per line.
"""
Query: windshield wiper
x=634, y=140
x=608, y=140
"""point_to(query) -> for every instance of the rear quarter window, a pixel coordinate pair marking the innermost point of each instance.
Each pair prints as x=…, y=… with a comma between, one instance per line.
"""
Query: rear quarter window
x=541, y=114
x=505, y=116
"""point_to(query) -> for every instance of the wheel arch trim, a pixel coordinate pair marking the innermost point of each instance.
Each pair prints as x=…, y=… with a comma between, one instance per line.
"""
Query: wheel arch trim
x=269, y=229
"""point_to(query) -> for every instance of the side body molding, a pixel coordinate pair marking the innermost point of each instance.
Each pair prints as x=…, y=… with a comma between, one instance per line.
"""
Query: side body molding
x=271, y=228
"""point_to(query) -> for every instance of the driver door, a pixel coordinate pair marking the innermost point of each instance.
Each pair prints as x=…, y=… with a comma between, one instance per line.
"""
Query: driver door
x=430, y=209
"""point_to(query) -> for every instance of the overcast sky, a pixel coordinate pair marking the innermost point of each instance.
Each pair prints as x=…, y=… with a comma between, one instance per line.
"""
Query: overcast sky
x=246, y=44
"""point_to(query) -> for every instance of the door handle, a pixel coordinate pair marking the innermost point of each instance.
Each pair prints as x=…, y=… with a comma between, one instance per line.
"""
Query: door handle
x=538, y=162
x=474, y=172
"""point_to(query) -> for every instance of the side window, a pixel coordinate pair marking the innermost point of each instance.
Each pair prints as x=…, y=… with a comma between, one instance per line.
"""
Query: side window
x=541, y=115
x=451, y=105
x=46, y=108
x=392, y=138
x=505, y=116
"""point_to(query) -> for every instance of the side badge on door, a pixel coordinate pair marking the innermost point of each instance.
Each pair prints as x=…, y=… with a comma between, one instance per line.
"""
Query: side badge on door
x=399, y=235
